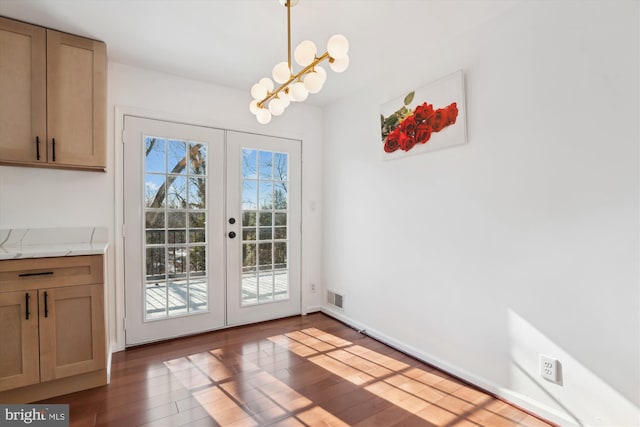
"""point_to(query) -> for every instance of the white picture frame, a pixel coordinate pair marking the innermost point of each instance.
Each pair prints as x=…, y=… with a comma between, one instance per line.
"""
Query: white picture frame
x=446, y=96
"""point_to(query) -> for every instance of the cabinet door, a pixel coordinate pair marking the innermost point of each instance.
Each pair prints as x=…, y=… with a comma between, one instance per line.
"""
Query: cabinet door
x=19, y=338
x=72, y=332
x=76, y=100
x=23, y=100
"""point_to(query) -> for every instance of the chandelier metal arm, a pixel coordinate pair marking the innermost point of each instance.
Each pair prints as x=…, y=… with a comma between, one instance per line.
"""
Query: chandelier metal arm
x=293, y=78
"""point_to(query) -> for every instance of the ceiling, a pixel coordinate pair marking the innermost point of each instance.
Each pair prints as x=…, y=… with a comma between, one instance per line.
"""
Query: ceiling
x=234, y=43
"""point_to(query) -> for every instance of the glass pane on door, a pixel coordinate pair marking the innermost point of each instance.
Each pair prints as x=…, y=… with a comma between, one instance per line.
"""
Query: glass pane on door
x=265, y=273
x=175, y=219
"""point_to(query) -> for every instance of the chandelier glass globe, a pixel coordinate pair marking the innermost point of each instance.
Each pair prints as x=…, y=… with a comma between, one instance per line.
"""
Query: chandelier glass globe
x=339, y=65
x=338, y=46
x=267, y=83
x=263, y=116
x=275, y=107
x=281, y=72
x=313, y=82
x=258, y=91
x=305, y=53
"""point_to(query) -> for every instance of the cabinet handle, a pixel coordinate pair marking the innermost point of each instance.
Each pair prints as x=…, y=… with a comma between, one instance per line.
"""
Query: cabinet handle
x=26, y=297
x=44, y=273
x=53, y=145
x=46, y=305
x=37, y=148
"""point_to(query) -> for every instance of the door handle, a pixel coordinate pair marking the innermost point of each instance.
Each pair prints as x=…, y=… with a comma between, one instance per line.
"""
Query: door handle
x=53, y=145
x=232, y=234
x=26, y=297
x=232, y=220
x=37, y=148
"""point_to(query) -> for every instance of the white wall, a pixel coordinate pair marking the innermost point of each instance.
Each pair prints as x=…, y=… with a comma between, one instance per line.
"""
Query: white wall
x=525, y=241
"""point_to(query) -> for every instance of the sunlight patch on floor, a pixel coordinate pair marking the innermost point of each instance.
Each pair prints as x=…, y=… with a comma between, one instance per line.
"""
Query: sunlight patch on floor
x=261, y=397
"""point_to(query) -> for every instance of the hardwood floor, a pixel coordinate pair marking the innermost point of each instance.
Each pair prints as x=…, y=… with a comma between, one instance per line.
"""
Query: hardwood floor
x=300, y=371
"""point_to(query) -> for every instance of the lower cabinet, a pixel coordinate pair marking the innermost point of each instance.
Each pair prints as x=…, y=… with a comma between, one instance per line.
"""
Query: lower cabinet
x=52, y=328
x=72, y=337
x=19, y=358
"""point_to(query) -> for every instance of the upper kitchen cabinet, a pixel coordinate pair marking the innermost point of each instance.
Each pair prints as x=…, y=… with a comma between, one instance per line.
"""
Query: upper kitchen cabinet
x=53, y=103
x=76, y=100
x=23, y=89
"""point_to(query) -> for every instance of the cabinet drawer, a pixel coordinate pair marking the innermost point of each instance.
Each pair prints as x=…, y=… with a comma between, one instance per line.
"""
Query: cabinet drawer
x=18, y=274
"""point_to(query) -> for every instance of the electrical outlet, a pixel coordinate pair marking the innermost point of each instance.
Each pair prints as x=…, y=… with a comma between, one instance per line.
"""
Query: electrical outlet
x=549, y=368
x=313, y=287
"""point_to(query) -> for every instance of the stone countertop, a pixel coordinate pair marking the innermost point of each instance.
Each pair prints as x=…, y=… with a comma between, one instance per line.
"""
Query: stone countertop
x=52, y=242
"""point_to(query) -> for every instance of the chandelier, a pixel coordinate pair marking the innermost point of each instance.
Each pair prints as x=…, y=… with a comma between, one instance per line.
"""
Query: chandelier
x=270, y=101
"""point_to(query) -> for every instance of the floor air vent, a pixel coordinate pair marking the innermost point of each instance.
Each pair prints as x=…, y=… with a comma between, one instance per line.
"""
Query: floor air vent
x=334, y=299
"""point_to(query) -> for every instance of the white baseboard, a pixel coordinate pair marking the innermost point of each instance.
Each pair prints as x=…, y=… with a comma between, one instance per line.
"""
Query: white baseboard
x=112, y=346
x=312, y=309
x=508, y=395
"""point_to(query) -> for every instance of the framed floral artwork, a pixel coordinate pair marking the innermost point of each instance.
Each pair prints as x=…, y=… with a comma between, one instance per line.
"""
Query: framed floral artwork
x=426, y=119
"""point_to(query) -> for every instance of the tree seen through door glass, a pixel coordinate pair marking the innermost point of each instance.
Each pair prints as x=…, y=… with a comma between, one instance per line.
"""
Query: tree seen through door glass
x=265, y=165
x=175, y=220
x=249, y=194
x=265, y=275
x=197, y=227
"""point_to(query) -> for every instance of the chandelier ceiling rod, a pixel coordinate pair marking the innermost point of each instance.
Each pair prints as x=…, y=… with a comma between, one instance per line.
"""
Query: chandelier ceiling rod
x=289, y=35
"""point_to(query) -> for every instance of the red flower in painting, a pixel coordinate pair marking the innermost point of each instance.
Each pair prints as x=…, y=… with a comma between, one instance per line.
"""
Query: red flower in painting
x=445, y=117
x=391, y=143
x=423, y=133
x=452, y=113
x=424, y=112
x=406, y=142
x=408, y=128
x=408, y=125
x=439, y=120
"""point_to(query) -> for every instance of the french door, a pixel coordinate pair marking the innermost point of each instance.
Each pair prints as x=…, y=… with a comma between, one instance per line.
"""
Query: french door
x=263, y=205
x=212, y=228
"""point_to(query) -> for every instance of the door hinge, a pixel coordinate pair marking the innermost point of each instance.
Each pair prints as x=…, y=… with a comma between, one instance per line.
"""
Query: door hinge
x=124, y=232
x=124, y=323
x=123, y=134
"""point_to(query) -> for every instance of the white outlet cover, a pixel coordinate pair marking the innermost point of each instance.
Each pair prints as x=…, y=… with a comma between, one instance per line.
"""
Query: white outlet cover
x=549, y=368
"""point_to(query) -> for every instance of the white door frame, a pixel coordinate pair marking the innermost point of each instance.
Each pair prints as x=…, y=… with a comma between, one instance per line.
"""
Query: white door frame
x=115, y=297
